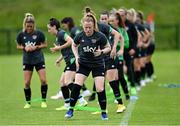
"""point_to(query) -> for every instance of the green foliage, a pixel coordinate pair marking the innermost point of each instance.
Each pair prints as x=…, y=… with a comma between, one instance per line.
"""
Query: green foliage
x=12, y=14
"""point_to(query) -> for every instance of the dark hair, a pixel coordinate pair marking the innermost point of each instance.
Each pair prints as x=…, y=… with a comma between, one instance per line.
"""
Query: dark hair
x=120, y=22
x=54, y=22
x=88, y=10
x=140, y=15
x=69, y=21
x=105, y=13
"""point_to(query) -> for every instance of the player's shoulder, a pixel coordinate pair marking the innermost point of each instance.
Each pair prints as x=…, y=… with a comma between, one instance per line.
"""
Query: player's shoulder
x=73, y=29
x=80, y=34
x=103, y=25
x=20, y=34
x=99, y=34
x=61, y=33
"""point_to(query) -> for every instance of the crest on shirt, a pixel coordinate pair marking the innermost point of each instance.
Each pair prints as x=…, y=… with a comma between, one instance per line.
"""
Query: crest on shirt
x=127, y=28
x=82, y=40
x=34, y=36
x=93, y=40
x=24, y=37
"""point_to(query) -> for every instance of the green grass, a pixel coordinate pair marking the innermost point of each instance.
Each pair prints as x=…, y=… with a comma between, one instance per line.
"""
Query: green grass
x=156, y=105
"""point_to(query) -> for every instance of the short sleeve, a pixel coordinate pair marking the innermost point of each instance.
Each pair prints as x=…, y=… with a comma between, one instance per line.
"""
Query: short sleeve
x=110, y=29
x=103, y=40
x=77, y=39
x=41, y=37
x=107, y=29
x=65, y=36
x=61, y=36
x=19, y=38
x=74, y=32
x=77, y=31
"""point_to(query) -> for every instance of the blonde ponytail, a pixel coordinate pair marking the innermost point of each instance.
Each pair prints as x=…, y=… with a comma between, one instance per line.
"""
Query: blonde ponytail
x=89, y=16
x=29, y=18
x=132, y=12
x=88, y=10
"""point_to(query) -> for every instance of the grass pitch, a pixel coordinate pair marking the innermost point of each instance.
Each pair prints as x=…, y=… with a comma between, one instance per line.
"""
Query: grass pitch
x=157, y=103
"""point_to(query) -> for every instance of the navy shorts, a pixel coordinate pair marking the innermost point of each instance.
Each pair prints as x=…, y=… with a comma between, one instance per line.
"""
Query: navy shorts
x=111, y=64
x=96, y=71
x=141, y=52
x=120, y=64
x=30, y=67
x=70, y=67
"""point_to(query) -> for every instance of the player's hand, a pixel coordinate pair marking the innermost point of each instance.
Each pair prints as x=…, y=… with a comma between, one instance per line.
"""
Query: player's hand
x=58, y=63
x=98, y=52
x=131, y=52
x=28, y=48
x=113, y=53
x=54, y=49
x=33, y=48
x=119, y=53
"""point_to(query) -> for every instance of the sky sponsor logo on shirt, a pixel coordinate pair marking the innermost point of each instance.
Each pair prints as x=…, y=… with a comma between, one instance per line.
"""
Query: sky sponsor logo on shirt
x=29, y=43
x=89, y=49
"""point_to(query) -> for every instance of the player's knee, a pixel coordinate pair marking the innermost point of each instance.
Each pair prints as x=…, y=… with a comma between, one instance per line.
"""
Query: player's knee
x=62, y=81
x=27, y=84
x=43, y=82
x=100, y=89
x=67, y=82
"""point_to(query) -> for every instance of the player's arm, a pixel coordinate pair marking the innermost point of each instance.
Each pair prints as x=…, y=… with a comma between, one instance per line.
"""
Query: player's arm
x=74, y=47
x=58, y=61
x=145, y=45
x=121, y=51
x=107, y=48
x=18, y=40
x=146, y=35
x=75, y=50
x=26, y=48
x=68, y=43
x=42, y=45
x=140, y=39
x=117, y=36
x=60, y=58
x=19, y=46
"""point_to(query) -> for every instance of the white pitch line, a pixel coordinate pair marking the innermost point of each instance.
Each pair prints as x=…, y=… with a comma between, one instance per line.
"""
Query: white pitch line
x=127, y=114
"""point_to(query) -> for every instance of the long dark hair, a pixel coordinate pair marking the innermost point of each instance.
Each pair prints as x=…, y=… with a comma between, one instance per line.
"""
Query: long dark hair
x=120, y=22
x=141, y=16
x=69, y=21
